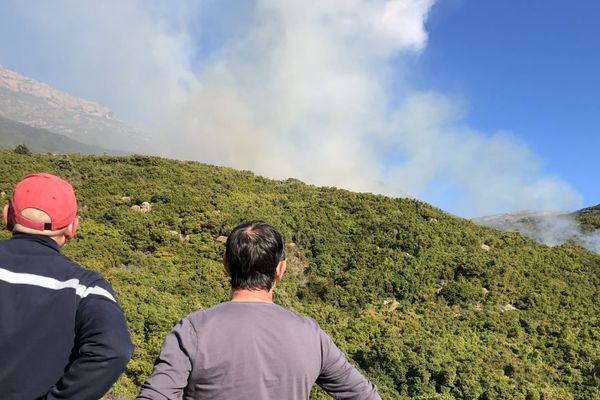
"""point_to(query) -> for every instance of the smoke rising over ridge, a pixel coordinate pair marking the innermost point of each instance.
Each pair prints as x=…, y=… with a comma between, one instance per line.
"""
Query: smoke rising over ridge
x=319, y=93
x=549, y=228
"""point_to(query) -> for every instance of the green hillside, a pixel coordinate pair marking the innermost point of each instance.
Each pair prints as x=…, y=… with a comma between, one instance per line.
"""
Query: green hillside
x=428, y=305
x=589, y=218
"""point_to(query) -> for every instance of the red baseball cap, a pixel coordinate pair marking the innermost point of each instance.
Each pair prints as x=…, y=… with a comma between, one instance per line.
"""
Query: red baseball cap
x=47, y=193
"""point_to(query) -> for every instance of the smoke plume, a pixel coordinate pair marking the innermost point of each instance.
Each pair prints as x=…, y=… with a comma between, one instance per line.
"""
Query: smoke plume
x=319, y=93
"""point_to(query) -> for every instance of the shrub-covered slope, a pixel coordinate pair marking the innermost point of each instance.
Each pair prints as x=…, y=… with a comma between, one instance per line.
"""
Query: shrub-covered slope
x=428, y=305
x=589, y=218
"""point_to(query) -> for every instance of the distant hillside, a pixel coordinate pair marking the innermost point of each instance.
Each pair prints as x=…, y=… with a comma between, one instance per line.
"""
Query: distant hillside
x=38, y=140
x=589, y=218
x=428, y=305
x=38, y=105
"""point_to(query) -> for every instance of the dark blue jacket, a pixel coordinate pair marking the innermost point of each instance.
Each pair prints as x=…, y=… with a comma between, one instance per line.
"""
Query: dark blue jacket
x=62, y=334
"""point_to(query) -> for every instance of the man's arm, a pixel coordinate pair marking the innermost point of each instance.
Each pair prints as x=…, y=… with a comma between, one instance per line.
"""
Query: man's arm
x=102, y=349
x=341, y=379
x=173, y=365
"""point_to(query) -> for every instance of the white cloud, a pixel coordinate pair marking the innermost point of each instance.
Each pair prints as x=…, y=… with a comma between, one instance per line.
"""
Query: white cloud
x=287, y=90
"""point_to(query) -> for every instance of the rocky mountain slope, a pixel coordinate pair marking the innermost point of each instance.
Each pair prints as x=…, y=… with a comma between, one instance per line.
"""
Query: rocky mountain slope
x=38, y=105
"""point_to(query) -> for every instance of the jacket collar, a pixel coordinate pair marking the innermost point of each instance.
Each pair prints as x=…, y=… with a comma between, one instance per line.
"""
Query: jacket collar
x=41, y=239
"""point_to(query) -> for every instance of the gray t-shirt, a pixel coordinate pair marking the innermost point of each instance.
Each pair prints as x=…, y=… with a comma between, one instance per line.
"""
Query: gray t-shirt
x=251, y=351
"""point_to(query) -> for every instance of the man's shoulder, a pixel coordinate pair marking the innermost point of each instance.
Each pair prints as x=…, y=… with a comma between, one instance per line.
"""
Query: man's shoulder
x=29, y=257
x=85, y=276
x=299, y=318
x=251, y=310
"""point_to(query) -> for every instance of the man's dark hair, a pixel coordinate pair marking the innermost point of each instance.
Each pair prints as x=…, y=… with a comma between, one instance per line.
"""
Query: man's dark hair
x=253, y=252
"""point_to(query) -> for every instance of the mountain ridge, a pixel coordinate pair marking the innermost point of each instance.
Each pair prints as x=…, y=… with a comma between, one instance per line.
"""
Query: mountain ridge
x=39, y=105
x=18, y=83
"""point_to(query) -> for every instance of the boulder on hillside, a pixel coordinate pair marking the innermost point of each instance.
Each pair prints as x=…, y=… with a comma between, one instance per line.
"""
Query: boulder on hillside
x=392, y=304
x=180, y=236
x=145, y=207
x=508, y=307
x=221, y=239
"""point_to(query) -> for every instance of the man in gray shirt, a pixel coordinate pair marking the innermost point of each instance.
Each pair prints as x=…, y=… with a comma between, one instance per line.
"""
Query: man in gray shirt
x=250, y=348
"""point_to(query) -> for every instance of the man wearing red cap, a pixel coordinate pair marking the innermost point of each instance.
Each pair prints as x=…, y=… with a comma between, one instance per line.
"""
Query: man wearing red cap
x=62, y=334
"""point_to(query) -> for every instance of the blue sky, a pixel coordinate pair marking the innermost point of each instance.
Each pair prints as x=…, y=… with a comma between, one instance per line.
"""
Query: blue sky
x=530, y=67
x=478, y=107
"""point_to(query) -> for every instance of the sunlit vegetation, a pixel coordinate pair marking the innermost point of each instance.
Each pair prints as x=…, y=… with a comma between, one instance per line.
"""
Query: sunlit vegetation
x=429, y=306
x=589, y=218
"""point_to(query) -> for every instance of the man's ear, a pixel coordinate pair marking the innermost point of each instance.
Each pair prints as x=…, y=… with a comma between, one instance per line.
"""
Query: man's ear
x=226, y=266
x=281, y=267
x=7, y=214
x=71, y=229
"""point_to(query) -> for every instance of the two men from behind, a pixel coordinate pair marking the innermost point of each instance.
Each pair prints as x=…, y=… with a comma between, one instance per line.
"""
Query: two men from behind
x=250, y=348
x=62, y=334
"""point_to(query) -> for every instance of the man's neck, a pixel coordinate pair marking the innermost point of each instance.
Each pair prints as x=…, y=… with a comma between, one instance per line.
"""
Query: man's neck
x=60, y=239
x=261, y=296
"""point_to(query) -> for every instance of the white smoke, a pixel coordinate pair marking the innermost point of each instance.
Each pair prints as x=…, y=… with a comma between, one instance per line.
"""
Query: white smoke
x=492, y=172
x=318, y=92
x=551, y=228
x=294, y=96
x=591, y=241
